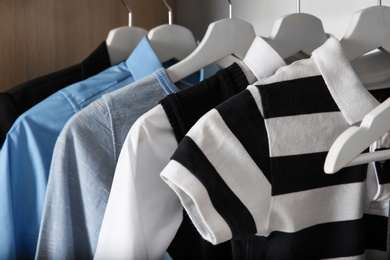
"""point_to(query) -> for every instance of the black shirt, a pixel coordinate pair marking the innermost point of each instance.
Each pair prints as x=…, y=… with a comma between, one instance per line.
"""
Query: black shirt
x=22, y=97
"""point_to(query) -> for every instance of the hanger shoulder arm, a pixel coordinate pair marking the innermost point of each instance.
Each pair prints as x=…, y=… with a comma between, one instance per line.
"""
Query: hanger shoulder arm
x=171, y=41
x=367, y=31
x=297, y=32
x=345, y=151
x=346, y=147
x=122, y=41
x=222, y=38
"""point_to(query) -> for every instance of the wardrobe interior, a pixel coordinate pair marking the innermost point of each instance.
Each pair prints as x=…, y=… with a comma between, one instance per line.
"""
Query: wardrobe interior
x=246, y=143
x=39, y=37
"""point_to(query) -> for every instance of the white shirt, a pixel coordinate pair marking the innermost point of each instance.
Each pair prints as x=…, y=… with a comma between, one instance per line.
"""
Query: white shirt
x=143, y=214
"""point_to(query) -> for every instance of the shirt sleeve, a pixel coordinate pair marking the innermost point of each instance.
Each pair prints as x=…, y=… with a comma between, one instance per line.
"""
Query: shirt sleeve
x=143, y=214
x=24, y=167
x=216, y=181
x=77, y=192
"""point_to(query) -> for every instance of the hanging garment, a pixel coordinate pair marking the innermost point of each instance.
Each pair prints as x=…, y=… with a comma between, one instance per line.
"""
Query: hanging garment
x=84, y=161
x=125, y=198
x=20, y=98
x=31, y=140
x=251, y=170
x=150, y=213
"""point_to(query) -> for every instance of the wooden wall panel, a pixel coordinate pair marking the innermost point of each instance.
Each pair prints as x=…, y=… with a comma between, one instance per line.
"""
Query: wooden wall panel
x=42, y=36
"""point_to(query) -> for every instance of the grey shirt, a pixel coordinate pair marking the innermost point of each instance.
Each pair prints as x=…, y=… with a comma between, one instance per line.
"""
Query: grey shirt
x=83, y=166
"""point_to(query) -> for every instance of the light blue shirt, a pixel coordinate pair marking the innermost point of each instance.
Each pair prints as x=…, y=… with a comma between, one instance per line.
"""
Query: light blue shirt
x=27, y=152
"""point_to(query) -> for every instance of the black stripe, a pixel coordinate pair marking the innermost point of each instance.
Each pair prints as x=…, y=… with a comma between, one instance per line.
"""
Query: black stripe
x=186, y=107
x=304, y=172
x=228, y=205
x=383, y=172
x=376, y=232
x=188, y=244
x=245, y=121
x=329, y=240
x=296, y=97
x=383, y=169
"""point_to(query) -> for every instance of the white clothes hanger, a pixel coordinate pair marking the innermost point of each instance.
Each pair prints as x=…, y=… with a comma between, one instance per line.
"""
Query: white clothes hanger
x=346, y=150
x=367, y=31
x=122, y=41
x=223, y=38
x=297, y=32
x=171, y=40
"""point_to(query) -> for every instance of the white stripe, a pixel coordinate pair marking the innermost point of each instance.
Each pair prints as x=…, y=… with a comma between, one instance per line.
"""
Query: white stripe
x=358, y=257
x=302, y=134
x=196, y=201
x=296, y=211
x=375, y=254
x=256, y=95
x=233, y=163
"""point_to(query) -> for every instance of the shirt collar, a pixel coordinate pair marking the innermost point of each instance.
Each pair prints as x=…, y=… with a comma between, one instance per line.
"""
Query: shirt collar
x=165, y=82
x=351, y=96
x=270, y=60
x=142, y=61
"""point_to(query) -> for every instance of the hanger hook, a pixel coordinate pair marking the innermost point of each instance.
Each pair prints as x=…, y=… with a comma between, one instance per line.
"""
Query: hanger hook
x=379, y=2
x=230, y=9
x=128, y=10
x=169, y=12
x=298, y=6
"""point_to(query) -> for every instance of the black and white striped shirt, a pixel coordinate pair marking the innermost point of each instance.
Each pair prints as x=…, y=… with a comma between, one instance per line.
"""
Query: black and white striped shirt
x=251, y=170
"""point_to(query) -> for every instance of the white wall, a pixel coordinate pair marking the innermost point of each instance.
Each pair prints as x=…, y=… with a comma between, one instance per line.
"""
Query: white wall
x=334, y=14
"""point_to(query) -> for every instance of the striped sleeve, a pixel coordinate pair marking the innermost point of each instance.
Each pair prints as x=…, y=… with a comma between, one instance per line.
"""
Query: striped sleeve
x=220, y=175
